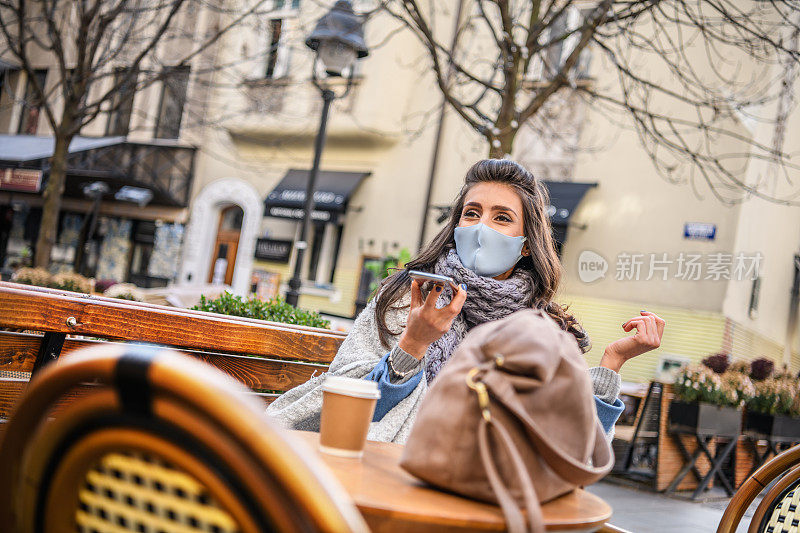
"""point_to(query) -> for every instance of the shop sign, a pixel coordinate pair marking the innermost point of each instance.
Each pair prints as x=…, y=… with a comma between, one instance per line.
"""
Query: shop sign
x=274, y=250
x=21, y=180
x=297, y=214
x=699, y=231
x=265, y=285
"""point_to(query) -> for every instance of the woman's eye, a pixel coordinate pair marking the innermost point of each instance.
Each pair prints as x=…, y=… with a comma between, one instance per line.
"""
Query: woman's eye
x=470, y=213
x=504, y=218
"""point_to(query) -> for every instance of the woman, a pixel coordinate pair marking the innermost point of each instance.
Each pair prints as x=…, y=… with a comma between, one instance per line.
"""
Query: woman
x=498, y=248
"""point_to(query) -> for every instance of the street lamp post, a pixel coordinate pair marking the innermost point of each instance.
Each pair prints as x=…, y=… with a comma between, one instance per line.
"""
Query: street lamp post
x=338, y=40
x=95, y=192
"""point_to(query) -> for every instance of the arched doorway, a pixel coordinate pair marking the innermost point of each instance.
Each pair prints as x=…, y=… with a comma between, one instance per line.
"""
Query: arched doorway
x=201, y=233
x=223, y=258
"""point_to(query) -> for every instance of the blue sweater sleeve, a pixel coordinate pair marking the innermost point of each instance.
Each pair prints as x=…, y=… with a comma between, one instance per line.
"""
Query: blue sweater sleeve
x=394, y=393
x=391, y=393
x=608, y=413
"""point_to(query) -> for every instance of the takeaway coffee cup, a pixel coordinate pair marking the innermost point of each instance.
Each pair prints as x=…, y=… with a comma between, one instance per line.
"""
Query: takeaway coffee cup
x=347, y=408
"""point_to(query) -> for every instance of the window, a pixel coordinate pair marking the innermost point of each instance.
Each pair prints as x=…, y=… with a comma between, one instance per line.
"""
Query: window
x=173, y=100
x=276, y=52
x=119, y=116
x=669, y=365
x=551, y=60
x=283, y=4
x=275, y=26
x=321, y=256
x=316, y=248
x=755, y=290
x=142, y=245
x=32, y=104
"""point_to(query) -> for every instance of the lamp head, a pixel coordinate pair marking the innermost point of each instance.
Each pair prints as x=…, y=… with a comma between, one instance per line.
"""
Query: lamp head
x=338, y=38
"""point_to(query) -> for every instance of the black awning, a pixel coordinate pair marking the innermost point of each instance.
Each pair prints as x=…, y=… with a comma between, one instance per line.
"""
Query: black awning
x=333, y=191
x=164, y=167
x=32, y=148
x=564, y=198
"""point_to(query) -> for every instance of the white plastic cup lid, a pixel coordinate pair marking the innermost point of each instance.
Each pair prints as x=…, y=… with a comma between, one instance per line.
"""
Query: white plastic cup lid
x=359, y=388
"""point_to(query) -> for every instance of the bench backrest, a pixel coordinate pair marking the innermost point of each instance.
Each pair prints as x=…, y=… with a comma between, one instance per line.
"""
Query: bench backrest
x=39, y=324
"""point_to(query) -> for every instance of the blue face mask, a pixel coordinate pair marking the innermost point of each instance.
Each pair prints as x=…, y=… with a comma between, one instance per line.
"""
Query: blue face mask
x=485, y=251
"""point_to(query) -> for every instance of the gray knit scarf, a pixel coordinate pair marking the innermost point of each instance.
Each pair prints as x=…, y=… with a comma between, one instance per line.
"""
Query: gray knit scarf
x=487, y=299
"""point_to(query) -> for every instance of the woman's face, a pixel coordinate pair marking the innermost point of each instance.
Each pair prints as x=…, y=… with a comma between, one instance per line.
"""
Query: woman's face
x=497, y=205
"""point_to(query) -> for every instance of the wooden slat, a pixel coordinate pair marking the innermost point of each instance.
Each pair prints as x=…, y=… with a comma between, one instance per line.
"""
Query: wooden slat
x=18, y=351
x=42, y=311
x=11, y=391
x=144, y=305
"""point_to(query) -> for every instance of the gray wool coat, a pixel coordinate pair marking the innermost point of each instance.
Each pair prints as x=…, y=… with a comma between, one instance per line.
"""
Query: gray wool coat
x=300, y=407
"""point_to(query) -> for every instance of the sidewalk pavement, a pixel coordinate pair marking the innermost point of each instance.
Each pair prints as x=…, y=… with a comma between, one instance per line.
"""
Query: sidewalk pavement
x=641, y=511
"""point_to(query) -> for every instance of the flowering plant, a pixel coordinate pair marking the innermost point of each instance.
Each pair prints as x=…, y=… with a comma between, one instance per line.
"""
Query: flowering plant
x=71, y=281
x=719, y=362
x=40, y=277
x=776, y=396
x=32, y=276
x=738, y=385
x=698, y=383
x=761, y=368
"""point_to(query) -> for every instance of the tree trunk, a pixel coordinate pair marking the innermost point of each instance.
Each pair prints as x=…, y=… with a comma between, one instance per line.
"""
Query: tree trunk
x=48, y=230
x=505, y=143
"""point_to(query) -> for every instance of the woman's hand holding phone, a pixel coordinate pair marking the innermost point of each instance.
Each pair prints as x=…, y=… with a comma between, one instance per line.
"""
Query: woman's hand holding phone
x=426, y=324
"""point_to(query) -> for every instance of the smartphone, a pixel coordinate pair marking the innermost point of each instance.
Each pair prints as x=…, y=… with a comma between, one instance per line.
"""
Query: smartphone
x=433, y=278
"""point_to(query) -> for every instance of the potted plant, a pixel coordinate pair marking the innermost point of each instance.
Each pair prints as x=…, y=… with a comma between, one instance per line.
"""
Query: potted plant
x=774, y=410
x=707, y=402
x=274, y=310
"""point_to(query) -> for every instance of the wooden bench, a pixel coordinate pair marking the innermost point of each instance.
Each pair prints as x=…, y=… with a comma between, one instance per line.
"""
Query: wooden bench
x=38, y=325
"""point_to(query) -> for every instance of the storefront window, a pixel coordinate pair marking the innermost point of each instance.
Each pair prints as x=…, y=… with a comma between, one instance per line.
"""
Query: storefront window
x=141, y=251
x=119, y=117
x=32, y=104
x=22, y=237
x=173, y=100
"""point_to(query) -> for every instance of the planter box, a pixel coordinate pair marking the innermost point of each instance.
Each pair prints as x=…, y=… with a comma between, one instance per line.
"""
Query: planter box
x=775, y=427
x=703, y=418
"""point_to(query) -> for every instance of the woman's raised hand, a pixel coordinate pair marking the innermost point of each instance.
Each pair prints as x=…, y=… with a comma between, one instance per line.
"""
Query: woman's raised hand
x=426, y=324
x=649, y=330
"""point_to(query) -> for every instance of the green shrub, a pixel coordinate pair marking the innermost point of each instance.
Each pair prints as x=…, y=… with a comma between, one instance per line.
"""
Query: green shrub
x=275, y=310
x=776, y=396
x=699, y=383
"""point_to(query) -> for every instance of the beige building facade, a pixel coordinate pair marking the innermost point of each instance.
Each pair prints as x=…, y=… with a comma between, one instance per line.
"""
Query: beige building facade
x=633, y=240
x=697, y=258
x=141, y=147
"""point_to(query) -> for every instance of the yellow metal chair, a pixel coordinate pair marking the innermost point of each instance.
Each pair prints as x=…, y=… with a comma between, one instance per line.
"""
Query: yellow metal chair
x=144, y=439
x=779, y=510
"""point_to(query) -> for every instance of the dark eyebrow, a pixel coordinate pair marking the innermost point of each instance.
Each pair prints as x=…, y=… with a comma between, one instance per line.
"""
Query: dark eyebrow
x=473, y=204
x=503, y=208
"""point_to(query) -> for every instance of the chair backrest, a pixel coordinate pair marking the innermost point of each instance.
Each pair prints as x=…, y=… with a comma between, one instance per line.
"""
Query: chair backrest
x=157, y=441
x=647, y=423
x=779, y=510
x=268, y=357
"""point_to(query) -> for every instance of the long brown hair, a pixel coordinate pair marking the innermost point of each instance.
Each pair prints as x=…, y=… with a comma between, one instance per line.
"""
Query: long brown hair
x=543, y=263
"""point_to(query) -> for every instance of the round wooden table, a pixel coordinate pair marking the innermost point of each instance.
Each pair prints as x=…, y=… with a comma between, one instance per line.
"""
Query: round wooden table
x=393, y=500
